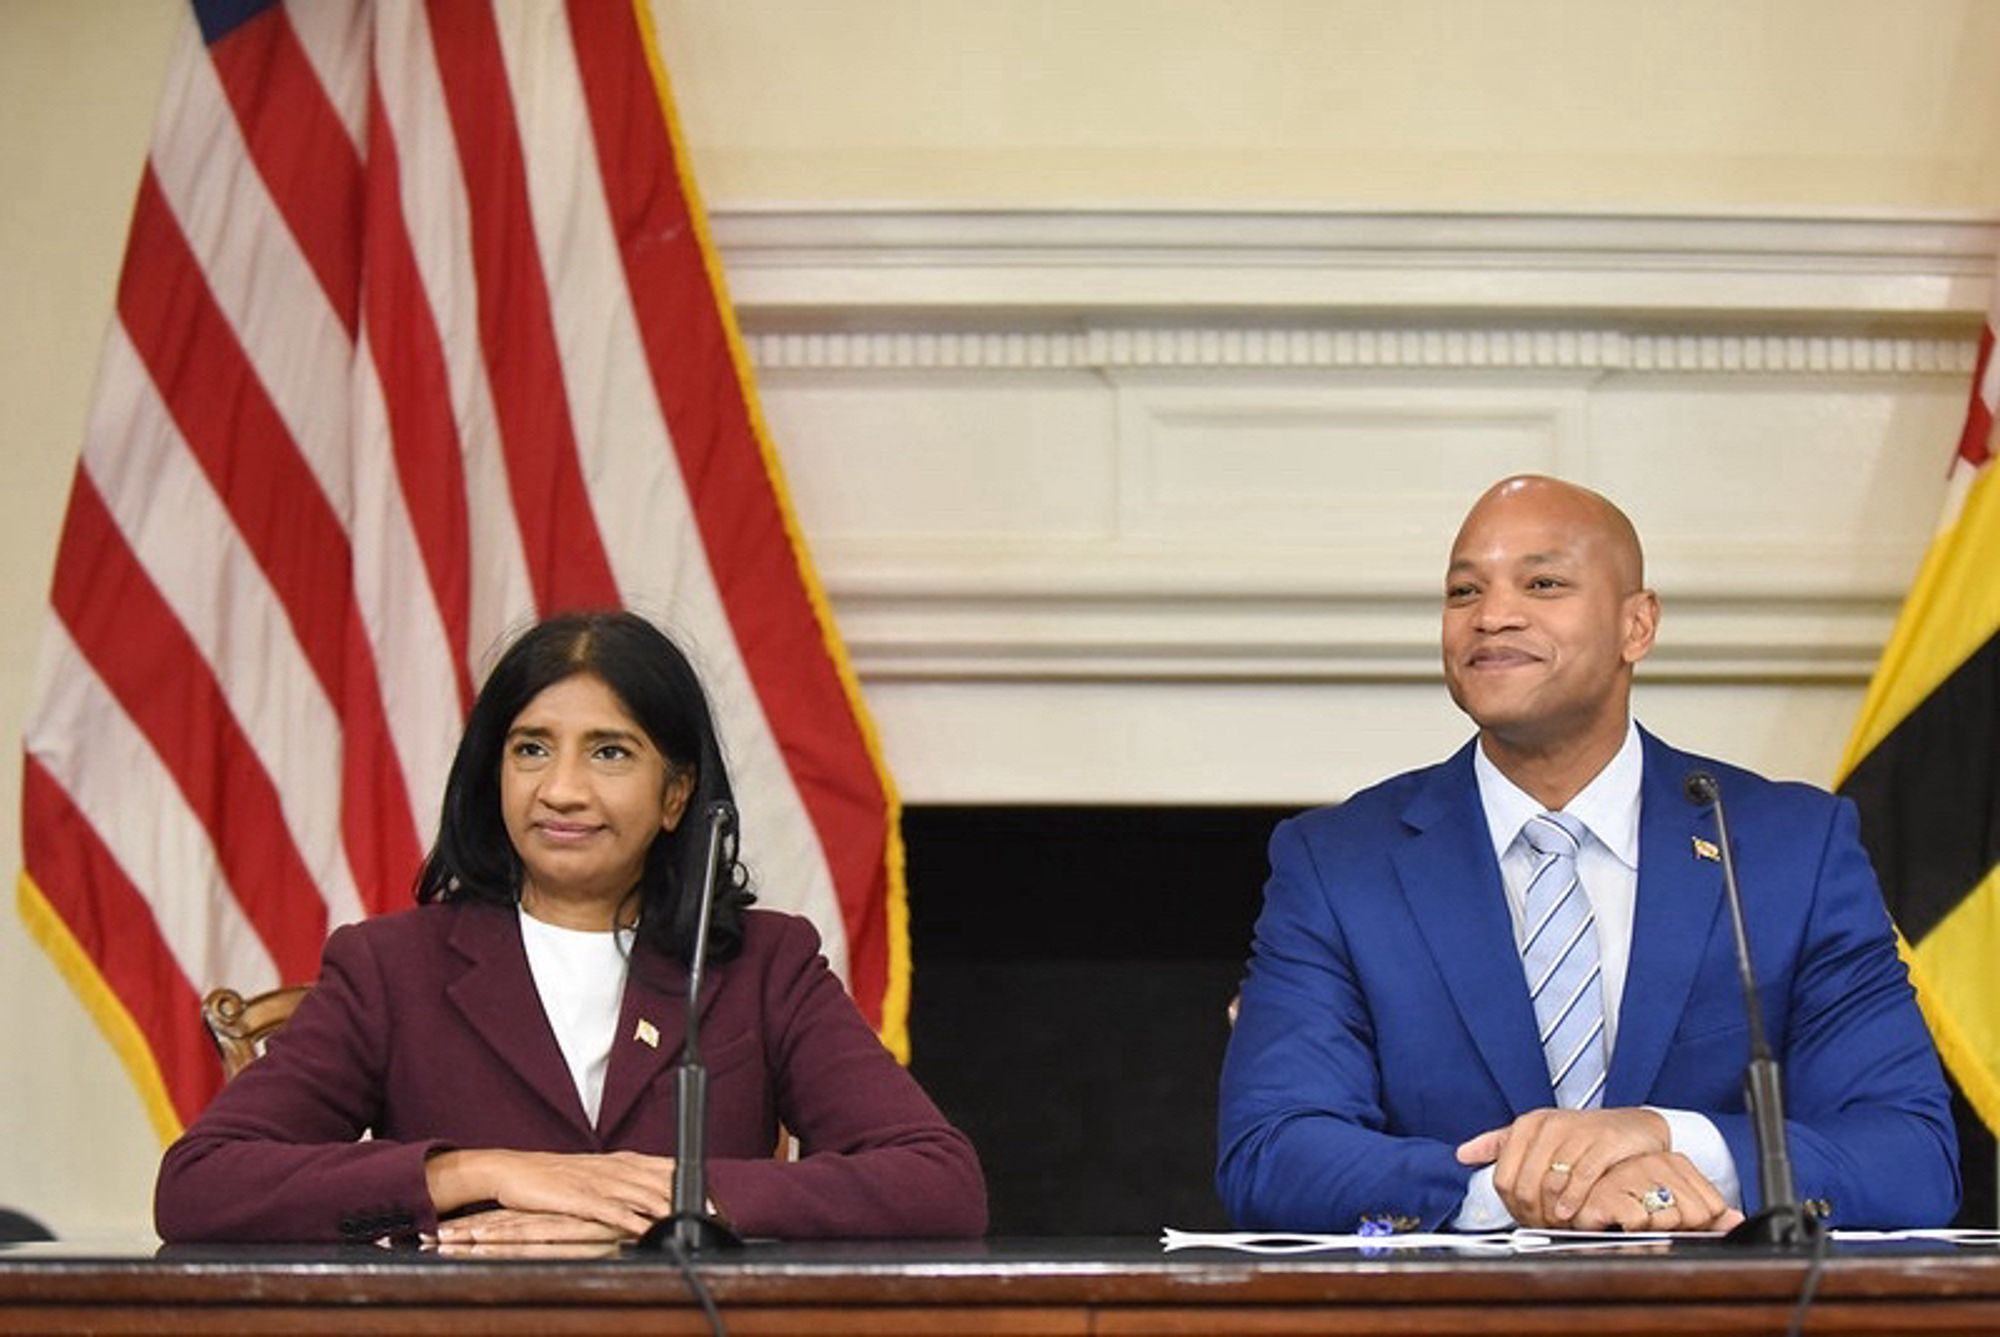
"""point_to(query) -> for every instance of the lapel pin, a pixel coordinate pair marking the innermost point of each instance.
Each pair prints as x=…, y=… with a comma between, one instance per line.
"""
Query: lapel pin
x=1706, y=849
x=647, y=1034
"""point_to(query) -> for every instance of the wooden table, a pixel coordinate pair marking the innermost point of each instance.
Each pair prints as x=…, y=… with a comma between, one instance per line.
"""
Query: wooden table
x=1003, y=1286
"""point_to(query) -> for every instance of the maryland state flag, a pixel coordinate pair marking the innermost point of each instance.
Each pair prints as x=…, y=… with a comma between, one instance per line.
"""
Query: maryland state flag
x=1924, y=762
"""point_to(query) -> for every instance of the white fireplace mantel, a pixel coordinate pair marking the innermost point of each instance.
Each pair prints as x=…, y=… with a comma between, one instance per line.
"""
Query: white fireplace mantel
x=791, y=264
x=1072, y=477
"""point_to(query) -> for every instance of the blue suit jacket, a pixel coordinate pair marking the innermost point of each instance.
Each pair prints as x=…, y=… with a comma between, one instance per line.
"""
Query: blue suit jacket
x=1385, y=1018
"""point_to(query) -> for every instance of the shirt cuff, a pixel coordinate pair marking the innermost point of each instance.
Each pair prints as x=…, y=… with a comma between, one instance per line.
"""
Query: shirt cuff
x=1696, y=1137
x=1482, y=1209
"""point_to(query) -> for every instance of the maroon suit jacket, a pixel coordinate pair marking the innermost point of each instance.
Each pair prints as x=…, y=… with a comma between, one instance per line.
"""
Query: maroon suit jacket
x=426, y=1028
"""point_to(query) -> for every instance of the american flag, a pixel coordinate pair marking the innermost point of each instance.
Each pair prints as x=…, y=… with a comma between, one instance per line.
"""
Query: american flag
x=420, y=336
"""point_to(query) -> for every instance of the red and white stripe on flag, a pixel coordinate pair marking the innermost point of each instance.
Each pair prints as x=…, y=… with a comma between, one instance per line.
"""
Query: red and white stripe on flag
x=419, y=336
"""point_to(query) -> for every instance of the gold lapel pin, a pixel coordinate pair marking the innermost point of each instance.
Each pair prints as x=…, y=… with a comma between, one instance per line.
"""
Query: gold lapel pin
x=1706, y=849
x=646, y=1033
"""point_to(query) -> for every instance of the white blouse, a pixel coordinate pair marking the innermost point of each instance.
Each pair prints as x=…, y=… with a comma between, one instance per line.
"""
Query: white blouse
x=581, y=978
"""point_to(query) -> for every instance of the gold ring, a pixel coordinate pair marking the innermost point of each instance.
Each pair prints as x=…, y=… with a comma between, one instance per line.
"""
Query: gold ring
x=1559, y=1167
x=1656, y=1199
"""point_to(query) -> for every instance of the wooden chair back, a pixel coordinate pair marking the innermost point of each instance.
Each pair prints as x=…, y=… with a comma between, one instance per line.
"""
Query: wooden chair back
x=240, y=1026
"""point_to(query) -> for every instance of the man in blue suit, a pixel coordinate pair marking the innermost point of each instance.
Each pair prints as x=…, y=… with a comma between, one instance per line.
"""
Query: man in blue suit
x=1502, y=989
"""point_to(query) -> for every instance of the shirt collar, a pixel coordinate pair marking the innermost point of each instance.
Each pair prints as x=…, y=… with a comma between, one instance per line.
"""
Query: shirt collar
x=1608, y=806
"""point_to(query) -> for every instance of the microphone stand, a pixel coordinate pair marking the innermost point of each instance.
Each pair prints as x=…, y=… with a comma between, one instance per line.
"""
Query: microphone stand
x=692, y=1227
x=1782, y=1223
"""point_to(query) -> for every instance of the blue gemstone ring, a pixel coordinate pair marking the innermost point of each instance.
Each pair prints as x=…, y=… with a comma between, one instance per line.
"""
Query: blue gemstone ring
x=1656, y=1199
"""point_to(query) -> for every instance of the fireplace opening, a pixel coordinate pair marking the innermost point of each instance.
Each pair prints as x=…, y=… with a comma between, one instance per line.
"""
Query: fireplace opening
x=1072, y=969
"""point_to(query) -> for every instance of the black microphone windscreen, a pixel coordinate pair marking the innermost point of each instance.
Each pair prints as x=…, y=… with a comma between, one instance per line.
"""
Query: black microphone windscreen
x=1700, y=787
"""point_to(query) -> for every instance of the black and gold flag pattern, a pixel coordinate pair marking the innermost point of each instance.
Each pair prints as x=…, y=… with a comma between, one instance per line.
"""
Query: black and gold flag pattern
x=1923, y=766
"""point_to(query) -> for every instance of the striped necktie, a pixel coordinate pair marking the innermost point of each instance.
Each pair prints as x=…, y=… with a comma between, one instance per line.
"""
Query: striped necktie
x=1559, y=957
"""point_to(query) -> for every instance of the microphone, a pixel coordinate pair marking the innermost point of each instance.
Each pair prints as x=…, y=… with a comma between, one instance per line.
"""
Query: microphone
x=692, y=1227
x=1782, y=1222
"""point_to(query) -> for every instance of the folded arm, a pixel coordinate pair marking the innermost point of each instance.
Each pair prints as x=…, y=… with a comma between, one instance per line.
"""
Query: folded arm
x=1868, y=1116
x=1305, y=1141
x=277, y=1154
x=877, y=1157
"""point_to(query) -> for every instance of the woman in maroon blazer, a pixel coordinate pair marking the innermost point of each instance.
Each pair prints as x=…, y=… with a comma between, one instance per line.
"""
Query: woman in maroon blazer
x=511, y=1043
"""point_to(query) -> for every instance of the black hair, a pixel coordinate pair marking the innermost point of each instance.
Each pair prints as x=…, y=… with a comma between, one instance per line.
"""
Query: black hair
x=474, y=860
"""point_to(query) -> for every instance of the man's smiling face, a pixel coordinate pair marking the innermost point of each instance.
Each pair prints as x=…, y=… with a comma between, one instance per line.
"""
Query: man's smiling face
x=1544, y=615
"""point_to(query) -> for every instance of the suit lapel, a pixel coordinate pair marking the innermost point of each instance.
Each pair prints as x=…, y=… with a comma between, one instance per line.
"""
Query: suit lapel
x=496, y=995
x=652, y=1029
x=1452, y=883
x=1679, y=896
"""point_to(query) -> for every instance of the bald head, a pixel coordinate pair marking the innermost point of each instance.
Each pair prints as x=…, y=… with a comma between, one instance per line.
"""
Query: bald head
x=1589, y=516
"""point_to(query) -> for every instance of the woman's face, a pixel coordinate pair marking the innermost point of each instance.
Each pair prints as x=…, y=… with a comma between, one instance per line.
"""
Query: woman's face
x=584, y=792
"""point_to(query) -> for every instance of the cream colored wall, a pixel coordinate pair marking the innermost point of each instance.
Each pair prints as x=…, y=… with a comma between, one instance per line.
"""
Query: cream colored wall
x=1724, y=105
x=78, y=84
x=1335, y=103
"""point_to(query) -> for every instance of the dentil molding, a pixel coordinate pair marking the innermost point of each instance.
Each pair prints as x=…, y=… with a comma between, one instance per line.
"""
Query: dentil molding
x=1456, y=347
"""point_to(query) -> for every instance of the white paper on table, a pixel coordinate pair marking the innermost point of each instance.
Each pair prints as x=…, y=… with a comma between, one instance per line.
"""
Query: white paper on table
x=1978, y=1238
x=1280, y=1243
x=1288, y=1243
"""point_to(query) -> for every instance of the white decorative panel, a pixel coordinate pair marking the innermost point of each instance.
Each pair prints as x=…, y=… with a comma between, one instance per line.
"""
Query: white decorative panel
x=1788, y=486
x=872, y=457
x=1328, y=467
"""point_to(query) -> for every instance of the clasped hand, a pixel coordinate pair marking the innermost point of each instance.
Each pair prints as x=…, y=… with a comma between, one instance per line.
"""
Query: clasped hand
x=1597, y=1170
x=549, y=1196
